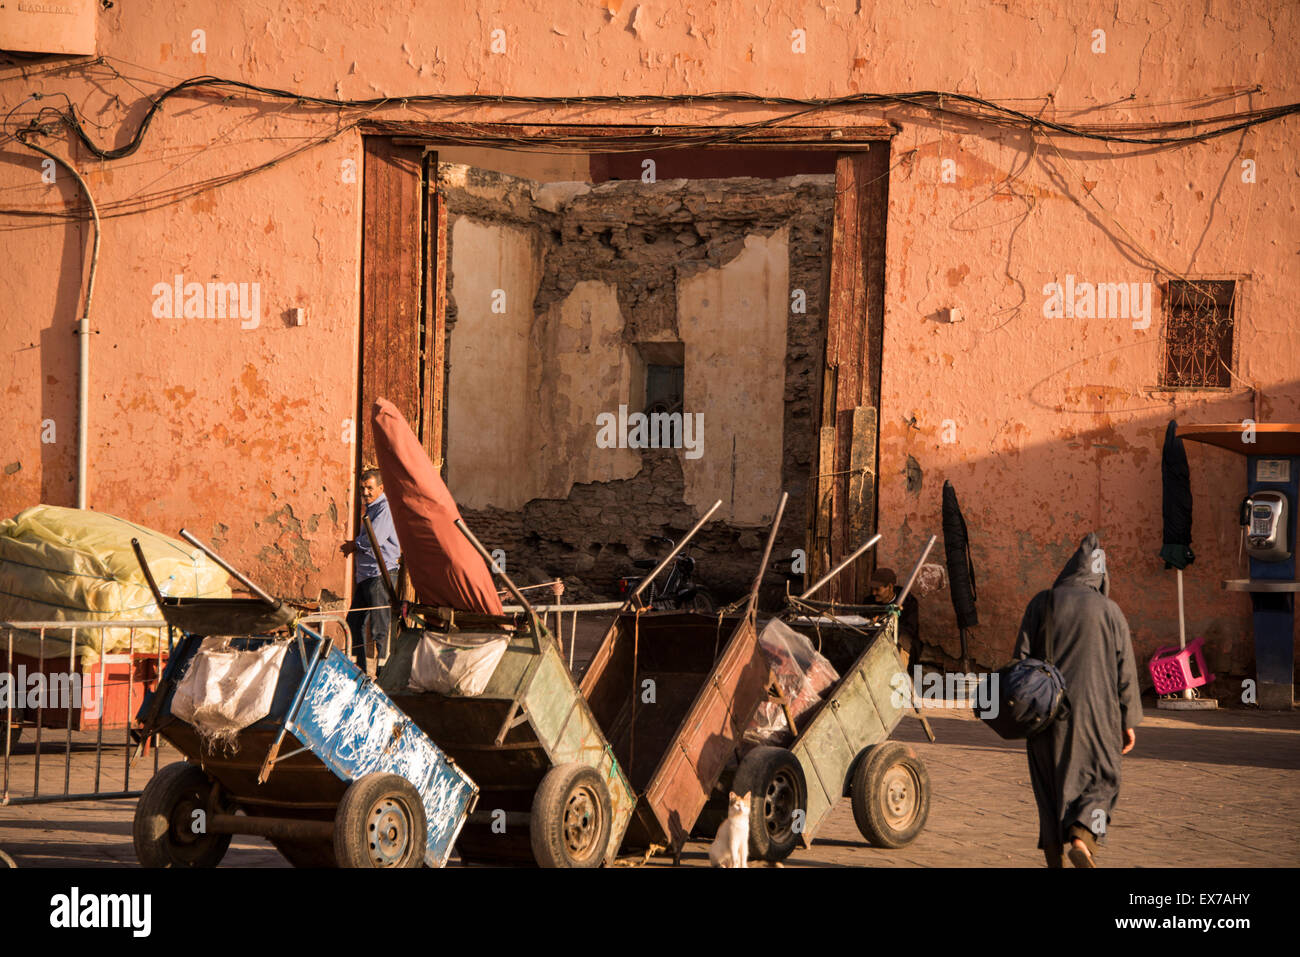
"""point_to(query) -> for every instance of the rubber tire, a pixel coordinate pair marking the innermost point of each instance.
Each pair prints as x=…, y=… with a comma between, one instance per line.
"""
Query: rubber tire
x=702, y=602
x=353, y=824
x=306, y=854
x=169, y=793
x=870, y=799
x=546, y=829
x=759, y=771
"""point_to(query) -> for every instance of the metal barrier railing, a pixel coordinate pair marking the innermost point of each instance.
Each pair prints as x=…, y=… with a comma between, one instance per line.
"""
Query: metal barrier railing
x=67, y=689
x=560, y=611
x=113, y=678
x=96, y=698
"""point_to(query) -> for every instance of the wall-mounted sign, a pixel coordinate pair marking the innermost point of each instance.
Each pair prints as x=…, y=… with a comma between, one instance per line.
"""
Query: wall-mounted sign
x=1273, y=470
x=48, y=26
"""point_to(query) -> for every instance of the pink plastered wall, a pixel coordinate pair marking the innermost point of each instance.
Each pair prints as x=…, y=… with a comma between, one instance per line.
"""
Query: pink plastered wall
x=242, y=434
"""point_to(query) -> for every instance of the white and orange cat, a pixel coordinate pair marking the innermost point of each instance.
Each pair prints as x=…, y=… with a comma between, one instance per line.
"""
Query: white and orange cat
x=731, y=846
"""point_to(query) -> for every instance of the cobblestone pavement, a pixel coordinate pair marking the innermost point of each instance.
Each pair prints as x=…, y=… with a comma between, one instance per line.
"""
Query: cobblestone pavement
x=1208, y=789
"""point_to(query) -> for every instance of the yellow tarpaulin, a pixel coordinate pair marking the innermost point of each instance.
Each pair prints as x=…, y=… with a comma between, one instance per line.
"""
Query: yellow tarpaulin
x=68, y=564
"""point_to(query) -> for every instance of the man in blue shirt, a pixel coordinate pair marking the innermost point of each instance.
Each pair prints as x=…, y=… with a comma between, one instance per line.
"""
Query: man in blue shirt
x=369, y=592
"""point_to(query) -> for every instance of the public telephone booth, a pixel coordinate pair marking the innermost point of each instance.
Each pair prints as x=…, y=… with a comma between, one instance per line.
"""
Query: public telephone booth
x=1268, y=512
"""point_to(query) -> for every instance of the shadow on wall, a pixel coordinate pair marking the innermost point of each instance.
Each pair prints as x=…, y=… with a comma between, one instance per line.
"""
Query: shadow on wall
x=60, y=354
x=1027, y=506
x=56, y=429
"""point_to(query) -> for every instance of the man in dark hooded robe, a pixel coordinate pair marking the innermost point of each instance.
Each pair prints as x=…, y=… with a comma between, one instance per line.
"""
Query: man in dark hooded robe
x=1074, y=763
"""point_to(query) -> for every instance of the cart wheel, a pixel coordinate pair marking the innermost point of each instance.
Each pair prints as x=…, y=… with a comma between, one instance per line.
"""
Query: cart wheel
x=774, y=780
x=380, y=823
x=571, y=818
x=891, y=795
x=164, y=828
x=309, y=854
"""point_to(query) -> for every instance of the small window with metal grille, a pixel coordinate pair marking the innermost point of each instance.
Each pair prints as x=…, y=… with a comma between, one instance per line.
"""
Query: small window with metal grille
x=1200, y=315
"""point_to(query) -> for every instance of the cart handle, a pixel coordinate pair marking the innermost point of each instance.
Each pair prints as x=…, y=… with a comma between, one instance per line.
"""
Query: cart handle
x=663, y=563
x=916, y=570
x=767, y=553
x=230, y=568
x=839, y=568
x=510, y=585
x=148, y=575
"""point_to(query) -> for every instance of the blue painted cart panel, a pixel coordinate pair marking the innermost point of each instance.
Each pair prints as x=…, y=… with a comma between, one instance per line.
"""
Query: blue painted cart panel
x=355, y=730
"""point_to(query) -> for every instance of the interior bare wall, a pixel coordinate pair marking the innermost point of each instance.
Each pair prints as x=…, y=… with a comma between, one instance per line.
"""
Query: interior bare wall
x=560, y=294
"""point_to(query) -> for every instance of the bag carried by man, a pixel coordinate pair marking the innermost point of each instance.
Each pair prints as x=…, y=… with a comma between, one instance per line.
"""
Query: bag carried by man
x=1030, y=692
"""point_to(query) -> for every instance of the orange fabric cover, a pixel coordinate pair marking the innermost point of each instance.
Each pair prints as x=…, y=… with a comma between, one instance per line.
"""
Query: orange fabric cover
x=444, y=567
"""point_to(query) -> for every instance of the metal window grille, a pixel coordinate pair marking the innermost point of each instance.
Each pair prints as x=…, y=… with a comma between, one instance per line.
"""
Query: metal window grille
x=1199, y=321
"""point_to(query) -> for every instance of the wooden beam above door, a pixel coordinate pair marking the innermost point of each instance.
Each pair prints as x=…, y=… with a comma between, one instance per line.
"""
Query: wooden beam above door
x=625, y=136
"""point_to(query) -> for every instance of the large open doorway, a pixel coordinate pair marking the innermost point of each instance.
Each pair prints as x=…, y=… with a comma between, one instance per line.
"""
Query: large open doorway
x=513, y=301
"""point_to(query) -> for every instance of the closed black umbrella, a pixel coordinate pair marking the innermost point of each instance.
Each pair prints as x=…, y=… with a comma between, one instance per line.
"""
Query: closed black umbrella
x=961, y=570
x=1176, y=508
x=1175, y=479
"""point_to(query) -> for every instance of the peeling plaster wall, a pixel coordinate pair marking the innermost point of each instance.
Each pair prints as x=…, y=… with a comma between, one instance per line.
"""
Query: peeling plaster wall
x=197, y=422
x=491, y=425
x=625, y=268
x=581, y=368
x=1059, y=422
x=240, y=434
x=733, y=322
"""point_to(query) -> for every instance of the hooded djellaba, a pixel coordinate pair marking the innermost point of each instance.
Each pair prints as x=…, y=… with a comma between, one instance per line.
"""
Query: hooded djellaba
x=1074, y=763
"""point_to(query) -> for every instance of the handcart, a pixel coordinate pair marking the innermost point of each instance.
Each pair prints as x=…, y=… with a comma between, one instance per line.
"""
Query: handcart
x=841, y=746
x=363, y=787
x=552, y=789
x=675, y=691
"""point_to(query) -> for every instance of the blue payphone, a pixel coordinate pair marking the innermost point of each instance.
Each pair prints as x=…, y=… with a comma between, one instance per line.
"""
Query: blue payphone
x=1273, y=484
x=1268, y=518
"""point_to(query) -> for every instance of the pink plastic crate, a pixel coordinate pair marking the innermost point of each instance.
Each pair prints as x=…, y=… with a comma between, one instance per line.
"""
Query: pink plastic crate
x=1175, y=669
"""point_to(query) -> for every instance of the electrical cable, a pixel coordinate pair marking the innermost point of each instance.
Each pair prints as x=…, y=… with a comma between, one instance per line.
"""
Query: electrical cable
x=174, y=195
x=936, y=102
x=941, y=104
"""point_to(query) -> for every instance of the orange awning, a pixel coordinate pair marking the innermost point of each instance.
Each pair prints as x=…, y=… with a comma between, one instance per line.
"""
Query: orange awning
x=1271, y=438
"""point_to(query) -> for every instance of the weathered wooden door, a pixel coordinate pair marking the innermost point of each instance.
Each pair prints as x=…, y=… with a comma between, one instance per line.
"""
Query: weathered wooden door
x=403, y=300
x=842, y=512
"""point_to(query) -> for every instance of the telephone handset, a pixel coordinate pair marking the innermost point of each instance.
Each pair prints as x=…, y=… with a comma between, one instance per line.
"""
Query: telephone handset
x=1264, y=521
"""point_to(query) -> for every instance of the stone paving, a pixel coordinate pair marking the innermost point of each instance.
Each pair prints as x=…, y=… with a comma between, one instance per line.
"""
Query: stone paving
x=1202, y=789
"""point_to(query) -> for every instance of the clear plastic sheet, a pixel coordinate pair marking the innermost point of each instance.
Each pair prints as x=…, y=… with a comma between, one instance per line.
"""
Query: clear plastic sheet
x=802, y=674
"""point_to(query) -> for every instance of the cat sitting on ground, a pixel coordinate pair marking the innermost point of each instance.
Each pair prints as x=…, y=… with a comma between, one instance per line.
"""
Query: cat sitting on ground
x=731, y=846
